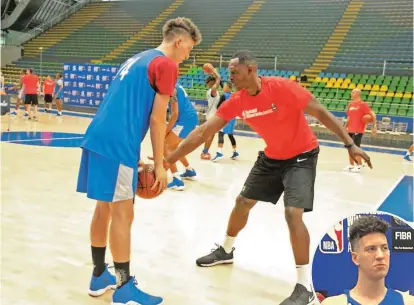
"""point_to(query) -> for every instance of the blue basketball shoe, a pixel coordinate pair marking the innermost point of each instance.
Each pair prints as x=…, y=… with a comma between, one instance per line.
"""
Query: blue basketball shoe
x=130, y=294
x=189, y=174
x=104, y=282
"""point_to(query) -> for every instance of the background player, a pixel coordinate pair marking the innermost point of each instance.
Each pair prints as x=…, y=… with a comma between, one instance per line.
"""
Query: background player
x=213, y=98
x=356, y=127
x=58, y=95
x=274, y=107
x=371, y=255
x=136, y=100
x=30, y=89
x=183, y=120
x=20, y=95
x=228, y=129
x=48, y=89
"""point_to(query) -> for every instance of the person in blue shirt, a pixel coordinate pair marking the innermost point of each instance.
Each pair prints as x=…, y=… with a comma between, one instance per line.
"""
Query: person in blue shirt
x=371, y=254
x=228, y=129
x=136, y=101
x=183, y=121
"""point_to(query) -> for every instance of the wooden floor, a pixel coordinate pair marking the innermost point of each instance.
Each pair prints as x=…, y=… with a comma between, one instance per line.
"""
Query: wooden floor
x=45, y=224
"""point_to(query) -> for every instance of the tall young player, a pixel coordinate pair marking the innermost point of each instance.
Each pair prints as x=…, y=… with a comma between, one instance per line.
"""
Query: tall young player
x=48, y=89
x=30, y=88
x=274, y=107
x=228, y=129
x=136, y=101
x=20, y=96
x=58, y=95
x=183, y=120
x=371, y=255
x=356, y=127
x=213, y=98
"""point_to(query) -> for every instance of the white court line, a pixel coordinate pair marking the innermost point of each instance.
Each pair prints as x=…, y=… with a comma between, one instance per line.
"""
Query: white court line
x=32, y=140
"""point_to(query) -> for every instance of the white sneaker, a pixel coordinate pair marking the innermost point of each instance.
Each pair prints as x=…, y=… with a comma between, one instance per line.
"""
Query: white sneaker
x=356, y=169
x=348, y=168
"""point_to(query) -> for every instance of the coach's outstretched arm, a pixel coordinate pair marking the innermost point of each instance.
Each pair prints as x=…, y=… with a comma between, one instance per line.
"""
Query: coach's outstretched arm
x=196, y=138
x=315, y=109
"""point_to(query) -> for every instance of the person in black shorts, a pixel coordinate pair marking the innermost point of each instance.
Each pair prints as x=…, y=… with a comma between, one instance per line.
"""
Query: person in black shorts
x=31, y=88
x=275, y=108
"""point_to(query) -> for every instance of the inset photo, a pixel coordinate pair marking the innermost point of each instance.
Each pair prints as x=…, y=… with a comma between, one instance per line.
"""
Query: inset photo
x=365, y=259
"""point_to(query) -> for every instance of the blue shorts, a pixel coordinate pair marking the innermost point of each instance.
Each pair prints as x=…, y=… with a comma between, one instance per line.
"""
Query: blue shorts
x=229, y=128
x=183, y=129
x=105, y=179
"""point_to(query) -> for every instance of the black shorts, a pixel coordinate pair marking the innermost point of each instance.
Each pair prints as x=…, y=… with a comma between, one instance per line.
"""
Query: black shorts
x=48, y=98
x=357, y=138
x=31, y=99
x=269, y=178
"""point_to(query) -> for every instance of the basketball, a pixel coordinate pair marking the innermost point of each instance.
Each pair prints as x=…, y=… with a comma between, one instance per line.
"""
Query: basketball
x=367, y=119
x=208, y=68
x=146, y=179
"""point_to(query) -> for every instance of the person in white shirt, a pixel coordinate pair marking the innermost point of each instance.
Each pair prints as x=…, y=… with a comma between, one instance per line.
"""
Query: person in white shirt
x=213, y=98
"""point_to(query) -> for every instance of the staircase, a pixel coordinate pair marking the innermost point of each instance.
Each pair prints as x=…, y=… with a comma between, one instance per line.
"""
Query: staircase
x=64, y=29
x=223, y=40
x=334, y=42
x=148, y=30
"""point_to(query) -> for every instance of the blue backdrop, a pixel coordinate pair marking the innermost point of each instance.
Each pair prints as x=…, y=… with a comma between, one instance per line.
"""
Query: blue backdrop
x=86, y=85
x=333, y=270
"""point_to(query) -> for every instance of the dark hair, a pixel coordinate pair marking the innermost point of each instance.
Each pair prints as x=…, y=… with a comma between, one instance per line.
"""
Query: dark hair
x=181, y=25
x=366, y=225
x=210, y=78
x=31, y=70
x=59, y=74
x=245, y=57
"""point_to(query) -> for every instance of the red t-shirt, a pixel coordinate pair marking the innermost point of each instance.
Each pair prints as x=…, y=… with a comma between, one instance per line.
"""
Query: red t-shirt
x=276, y=114
x=49, y=86
x=163, y=74
x=356, y=110
x=30, y=82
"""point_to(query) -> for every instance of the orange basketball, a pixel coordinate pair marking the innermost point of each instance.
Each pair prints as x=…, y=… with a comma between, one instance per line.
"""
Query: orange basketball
x=367, y=119
x=208, y=68
x=146, y=179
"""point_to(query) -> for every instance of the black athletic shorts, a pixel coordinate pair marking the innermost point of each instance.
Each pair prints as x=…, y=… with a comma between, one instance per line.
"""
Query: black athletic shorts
x=269, y=178
x=31, y=99
x=357, y=137
x=48, y=98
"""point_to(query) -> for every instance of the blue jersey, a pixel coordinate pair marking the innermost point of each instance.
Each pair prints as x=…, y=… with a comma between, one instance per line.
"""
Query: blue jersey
x=123, y=117
x=186, y=110
x=391, y=298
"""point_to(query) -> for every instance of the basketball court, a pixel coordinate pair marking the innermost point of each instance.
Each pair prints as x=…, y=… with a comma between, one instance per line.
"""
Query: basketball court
x=45, y=223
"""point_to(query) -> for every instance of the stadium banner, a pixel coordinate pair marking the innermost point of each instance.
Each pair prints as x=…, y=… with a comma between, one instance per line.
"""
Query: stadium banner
x=86, y=84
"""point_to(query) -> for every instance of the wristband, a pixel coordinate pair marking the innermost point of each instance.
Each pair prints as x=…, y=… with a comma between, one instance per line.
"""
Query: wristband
x=349, y=145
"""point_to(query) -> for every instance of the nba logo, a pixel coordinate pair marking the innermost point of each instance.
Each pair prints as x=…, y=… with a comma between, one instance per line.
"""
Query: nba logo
x=333, y=241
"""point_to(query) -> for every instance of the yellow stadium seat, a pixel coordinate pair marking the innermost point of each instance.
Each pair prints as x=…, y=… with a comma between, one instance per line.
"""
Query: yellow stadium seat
x=375, y=88
x=318, y=79
x=329, y=85
x=398, y=95
x=347, y=81
x=332, y=80
x=292, y=77
x=390, y=94
x=360, y=86
x=367, y=87
x=373, y=93
x=325, y=80
x=352, y=86
x=340, y=80
x=381, y=93
x=336, y=85
x=407, y=95
x=344, y=86
x=384, y=88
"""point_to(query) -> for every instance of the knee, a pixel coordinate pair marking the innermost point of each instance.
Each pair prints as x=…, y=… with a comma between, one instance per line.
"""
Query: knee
x=102, y=211
x=243, y=205
x=122, y=212
x=293, y=217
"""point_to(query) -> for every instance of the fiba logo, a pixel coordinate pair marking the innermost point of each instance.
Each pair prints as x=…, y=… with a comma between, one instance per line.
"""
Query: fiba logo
x=333, y=241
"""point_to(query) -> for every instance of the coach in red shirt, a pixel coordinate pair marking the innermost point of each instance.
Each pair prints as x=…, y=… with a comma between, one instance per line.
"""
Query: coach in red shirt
x=355, y=125
x=30, y=88
x=275, y=108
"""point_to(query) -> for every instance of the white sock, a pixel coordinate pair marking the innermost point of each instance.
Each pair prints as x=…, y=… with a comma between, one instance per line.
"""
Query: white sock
x=220, y=150
x=407, y=154
x=177, y=175
x=189, y=168
x=228, y=243
x=302, y=272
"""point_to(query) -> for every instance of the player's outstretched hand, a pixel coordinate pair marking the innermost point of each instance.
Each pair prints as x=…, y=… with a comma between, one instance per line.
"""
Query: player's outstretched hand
x=160, y=179
x=356, y=151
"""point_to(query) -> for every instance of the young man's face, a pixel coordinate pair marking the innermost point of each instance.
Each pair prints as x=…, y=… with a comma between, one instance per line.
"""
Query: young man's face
x=372, y=256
